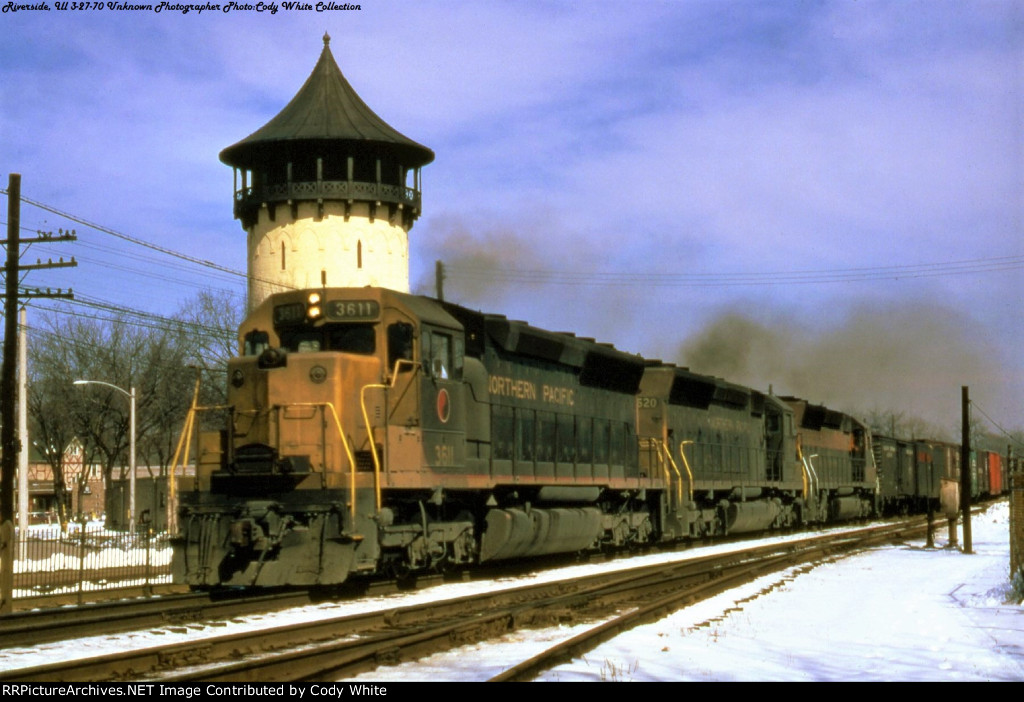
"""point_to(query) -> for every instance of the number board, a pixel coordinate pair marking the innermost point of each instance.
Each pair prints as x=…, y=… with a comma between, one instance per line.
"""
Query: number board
x=346, y=310
x=292, y=312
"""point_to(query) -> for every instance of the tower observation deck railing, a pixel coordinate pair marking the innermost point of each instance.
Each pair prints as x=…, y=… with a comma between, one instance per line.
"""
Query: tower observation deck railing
x=254, y=196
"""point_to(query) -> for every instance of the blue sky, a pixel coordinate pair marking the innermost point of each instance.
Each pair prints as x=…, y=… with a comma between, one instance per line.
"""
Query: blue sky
x=822, y=196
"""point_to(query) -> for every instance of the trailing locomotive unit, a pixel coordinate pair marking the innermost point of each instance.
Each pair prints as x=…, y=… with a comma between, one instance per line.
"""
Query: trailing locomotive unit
x=374, y=431
x=834, y=450
x=727, y=453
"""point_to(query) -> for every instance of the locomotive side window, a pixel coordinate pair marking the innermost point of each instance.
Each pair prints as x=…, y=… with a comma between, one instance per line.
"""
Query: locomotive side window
x=256, y=342
x=459, y=354
x=400, y=337
x=440, y=355
x=443, y=354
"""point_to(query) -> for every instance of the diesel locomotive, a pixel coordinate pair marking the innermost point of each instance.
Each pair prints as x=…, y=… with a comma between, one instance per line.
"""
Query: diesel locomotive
x=373, y=432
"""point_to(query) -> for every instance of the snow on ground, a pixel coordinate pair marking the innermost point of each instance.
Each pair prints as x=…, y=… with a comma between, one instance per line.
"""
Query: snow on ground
x=896, y=613
x=11, y=658
x=902, y=613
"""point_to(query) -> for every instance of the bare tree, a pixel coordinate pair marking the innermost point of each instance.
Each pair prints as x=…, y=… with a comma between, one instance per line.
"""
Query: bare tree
x=212, y=319
x=159, y=359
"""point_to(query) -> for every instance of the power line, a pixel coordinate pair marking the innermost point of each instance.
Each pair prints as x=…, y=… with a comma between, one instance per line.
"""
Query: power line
x=650, y=279
x=1004, y=432
x=154, y=247
x=139, y=242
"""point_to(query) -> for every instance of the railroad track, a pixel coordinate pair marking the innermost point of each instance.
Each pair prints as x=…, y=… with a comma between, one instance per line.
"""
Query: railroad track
x=175, y=608
x=344, y=646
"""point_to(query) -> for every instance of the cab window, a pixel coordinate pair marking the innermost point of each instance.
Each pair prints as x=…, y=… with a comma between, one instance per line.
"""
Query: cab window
x=255, y=343
x=350, y=338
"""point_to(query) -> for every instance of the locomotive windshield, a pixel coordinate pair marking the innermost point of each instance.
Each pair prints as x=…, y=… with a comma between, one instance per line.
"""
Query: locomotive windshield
x=350, y=338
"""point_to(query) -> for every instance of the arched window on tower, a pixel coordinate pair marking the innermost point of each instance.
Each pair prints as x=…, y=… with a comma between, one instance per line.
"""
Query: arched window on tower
x=359, y=254
x=282, y=255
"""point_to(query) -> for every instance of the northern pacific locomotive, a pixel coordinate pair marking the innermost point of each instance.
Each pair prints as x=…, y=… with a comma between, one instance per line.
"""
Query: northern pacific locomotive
x=375, y=432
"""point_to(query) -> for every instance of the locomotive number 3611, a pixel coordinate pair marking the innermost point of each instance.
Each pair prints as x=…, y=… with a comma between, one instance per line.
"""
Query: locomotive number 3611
x=444, y=455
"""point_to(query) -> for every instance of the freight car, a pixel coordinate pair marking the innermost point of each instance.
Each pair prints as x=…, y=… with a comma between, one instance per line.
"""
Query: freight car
x=376, y=432
x=989, y=476
x=911, y=472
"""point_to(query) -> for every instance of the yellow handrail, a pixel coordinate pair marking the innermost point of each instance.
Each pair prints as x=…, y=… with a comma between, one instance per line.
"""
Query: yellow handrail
x=373, y=444
x=809, y=473
x=672, y=462
x=686, y=463
x=345, y=445
x=659, y=453
x=666, y=460
x=369, y=430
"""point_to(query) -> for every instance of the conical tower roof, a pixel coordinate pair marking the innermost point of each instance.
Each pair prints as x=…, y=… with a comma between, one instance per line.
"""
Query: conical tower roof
x=325, y=113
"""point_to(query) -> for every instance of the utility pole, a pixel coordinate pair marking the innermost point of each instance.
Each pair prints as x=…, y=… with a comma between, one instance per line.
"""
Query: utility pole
x=965, y=466
x=10, y=446
x=23, y=505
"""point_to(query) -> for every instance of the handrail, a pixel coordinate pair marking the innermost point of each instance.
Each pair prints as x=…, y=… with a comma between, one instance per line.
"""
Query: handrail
x=344, y=443
x=664, y=454
x=810, y=475
x=369, y=430
x=186, y=440
x=646, y=444
x=369, y=434
x=686, y=463
x=341, y=433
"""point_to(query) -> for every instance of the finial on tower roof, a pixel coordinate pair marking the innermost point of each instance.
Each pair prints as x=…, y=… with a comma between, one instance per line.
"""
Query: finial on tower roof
x=327, y=38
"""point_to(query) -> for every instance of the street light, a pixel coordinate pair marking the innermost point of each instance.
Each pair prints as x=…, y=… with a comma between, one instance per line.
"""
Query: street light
x=131, y=446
